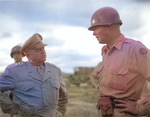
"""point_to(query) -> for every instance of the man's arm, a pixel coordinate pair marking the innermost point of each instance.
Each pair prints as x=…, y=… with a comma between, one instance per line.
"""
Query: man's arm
x=7, y=105
x=6, y=84
x=95, y=76
x=5, y=101
x=63, y=98
x=144, y=107
x=135, y=108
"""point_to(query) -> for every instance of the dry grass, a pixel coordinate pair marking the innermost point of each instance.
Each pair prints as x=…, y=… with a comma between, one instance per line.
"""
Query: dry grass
x=82, y=102
x=80, y=109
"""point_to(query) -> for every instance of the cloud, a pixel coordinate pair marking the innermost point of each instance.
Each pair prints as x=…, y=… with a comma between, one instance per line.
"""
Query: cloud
x=67, y=60
x=79, y=47
x=6, y=35
x=64, y=27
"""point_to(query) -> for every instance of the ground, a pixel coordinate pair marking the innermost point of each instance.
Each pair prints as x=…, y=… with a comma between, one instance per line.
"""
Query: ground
x=82, y=102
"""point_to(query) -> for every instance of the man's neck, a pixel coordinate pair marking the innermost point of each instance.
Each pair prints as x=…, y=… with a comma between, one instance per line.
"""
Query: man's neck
x=114, y=40
x=18, y=61
x=37, y=64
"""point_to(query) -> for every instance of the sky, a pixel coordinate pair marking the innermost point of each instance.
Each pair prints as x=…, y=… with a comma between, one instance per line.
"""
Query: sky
x=64, y=25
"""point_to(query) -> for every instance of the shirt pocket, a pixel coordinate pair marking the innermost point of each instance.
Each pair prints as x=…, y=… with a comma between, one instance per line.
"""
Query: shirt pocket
x=24, y=92
x=117, y=78
x=24, y=86
x=55, y=89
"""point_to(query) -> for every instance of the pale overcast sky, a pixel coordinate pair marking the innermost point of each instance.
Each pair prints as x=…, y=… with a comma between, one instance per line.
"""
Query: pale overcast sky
x=64, y=27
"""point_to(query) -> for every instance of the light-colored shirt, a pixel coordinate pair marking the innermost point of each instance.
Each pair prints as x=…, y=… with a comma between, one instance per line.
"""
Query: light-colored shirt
x=33, y=94
x=126, y=67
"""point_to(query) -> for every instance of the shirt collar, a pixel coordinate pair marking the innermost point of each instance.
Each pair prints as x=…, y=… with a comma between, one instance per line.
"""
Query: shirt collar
x=41, y=66
x=118, y=44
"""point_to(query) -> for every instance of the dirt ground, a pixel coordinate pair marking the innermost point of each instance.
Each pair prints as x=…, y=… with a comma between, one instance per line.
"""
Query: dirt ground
x=81, y=109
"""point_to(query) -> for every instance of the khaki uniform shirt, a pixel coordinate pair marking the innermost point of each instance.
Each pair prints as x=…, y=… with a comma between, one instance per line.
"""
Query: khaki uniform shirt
x=126, y=67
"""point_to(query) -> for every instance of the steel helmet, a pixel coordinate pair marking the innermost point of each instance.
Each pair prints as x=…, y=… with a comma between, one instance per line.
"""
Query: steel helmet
x=15, y=49
x=105, y=16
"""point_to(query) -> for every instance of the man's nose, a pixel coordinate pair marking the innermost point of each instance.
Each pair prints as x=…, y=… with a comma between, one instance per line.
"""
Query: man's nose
x=94, y=33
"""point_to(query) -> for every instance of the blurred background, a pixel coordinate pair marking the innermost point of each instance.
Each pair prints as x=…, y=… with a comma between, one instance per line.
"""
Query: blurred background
x=64, y=27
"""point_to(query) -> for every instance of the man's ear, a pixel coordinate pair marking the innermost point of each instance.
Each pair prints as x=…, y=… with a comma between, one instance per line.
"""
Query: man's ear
x=27, y=54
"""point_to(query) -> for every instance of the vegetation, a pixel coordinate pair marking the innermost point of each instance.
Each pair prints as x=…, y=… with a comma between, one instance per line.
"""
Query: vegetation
x=82, y=95
x=82, y=101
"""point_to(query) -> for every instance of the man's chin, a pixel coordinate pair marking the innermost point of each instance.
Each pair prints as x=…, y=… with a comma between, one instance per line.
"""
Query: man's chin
x=100, y=42
x=44, y=60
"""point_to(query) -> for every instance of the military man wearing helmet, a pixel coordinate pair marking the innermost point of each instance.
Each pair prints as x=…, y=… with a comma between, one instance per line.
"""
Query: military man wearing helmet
x=16, y=55
x=124, y=68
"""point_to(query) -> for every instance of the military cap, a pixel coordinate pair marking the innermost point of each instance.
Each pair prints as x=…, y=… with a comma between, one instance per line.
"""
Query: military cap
x=35, y=41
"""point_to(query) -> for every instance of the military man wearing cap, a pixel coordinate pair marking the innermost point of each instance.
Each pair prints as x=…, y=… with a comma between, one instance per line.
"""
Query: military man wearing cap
x=37, y=86
x=126, y=64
